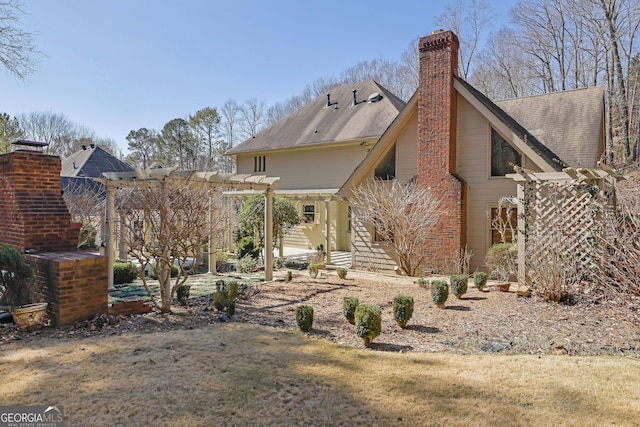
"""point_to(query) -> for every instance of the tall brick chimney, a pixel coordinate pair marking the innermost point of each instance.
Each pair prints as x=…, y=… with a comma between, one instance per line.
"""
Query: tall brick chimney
x=437, y=143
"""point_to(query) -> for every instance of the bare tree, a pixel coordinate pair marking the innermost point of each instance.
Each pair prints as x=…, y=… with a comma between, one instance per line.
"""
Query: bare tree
x=252, y=114
x=85, y=200
x=403, y=213
x=166, y=224
x=18, y=52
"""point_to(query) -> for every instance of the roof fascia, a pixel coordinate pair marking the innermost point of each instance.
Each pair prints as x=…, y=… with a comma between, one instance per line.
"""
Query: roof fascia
x=322, y=145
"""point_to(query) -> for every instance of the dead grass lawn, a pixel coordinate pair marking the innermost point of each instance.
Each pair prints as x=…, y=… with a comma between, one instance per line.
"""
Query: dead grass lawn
x=241, y=374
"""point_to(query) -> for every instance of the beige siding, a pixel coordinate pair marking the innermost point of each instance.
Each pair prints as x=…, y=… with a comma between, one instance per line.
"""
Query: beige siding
x=368, y=255
x=310, y=236
x=473, y=165
x=308, y=168
x=407, y=154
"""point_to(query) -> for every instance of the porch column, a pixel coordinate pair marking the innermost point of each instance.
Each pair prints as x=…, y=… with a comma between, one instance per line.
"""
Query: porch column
x=122, y=250
x=521, y=237
x=110, y=226
x=212, y=243
x=327, y=230
x=268, y=235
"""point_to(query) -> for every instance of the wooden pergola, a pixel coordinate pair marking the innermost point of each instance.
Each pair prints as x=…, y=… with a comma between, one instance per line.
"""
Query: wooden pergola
x=113, y=181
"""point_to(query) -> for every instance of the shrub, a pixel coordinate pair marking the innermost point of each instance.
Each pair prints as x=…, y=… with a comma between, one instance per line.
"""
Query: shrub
x=296, y=264
x=480, y=279
x=502, y=260
x=152, y=271
x=183, y=294
x=349, y=305
x=342, y=272
x=220, y=300
x=16, y=278
x=402, y=309
x=246, y=246
x=289, y=276
x=247, y=264
x=124, y=272
x=439, y=292
x=304, y=317
x=368, y=322
x=459, y=284
x=423, y=283
x=313, y=270
x=232, y=289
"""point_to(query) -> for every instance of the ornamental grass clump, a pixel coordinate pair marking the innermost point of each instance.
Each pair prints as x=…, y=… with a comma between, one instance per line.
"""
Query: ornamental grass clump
x=439, y=292
x=342, y=272
x=304, y=317
x=480, y=279
x=349, y=305
x=368, y=322
x=459, y=284
x=313, y=270
x=402, y=309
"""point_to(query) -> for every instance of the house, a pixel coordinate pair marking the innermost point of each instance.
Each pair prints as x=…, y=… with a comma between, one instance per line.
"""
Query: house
x=461, y=144
x=314, y=150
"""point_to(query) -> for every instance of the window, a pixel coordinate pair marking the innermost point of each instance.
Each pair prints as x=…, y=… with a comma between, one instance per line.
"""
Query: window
x=387, y=168
x=503, y=156
x=309, y=214
x=259, y=163
x=503, y=227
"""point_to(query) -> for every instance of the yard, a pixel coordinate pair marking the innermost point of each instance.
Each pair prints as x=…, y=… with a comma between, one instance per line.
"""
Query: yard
x=489, y=358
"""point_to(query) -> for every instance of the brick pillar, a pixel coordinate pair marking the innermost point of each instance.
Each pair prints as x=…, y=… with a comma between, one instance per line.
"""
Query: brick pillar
x=437, y=143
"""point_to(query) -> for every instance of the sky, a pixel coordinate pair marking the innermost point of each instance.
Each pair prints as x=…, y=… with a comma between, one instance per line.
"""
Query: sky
x=120, y=65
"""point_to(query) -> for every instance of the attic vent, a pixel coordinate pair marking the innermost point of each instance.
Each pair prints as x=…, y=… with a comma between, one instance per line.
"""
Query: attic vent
x=374, y=97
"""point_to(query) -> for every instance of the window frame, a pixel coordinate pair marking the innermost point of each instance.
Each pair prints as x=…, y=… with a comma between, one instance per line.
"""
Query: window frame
x=304, y=214
x=506, y=144
x=260, y=163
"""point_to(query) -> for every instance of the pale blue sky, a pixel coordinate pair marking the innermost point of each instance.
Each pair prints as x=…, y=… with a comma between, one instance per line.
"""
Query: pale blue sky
x=120, y=65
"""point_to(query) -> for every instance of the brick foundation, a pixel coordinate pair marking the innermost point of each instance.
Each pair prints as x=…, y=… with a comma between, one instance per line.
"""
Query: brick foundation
x=126, y=308
x=437, y=144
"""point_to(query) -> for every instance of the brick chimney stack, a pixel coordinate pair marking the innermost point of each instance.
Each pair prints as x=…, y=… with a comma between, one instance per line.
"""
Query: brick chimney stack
x=437, y=143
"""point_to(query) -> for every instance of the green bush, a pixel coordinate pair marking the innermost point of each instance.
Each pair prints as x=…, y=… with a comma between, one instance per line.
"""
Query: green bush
x=342, y=272
x=480, y=279
x=232, y=289
x=124, y=272
x=246, y=246
x=289, y=276
x=502, y=260
x=459, y=284
x=152, y=272
x=349, y=305
x=220, y=300
x=304, y=317
x=247, y=264
x=183, y=294
x=295, y=264
x=439, y=292
x=402, y=309
x=16, y=279
x=423, y=283
x=313, y=270
x=368, y=322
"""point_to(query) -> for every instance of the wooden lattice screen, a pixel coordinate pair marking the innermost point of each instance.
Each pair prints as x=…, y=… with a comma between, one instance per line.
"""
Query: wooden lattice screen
x=560, y=215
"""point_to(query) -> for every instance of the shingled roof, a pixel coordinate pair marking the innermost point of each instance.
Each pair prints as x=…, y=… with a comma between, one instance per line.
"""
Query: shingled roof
x=570, y=122
x=318, y=123
x=92, y=161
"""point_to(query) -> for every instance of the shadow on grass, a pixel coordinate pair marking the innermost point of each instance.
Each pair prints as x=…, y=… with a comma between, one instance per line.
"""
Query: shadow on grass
x=457, y=308
x=423, y=329
x=393, y=348
x=474, y=298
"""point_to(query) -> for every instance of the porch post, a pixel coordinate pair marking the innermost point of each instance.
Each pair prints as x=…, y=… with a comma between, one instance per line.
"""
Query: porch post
x=327, y=230
x=122, y=249
x=212, y=245
x=521, y=236
x=268, y=234
x=110, y=226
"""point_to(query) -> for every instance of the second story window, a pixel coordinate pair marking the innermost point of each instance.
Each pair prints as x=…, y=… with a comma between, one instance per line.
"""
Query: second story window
x=259, y=163
x=503, y=156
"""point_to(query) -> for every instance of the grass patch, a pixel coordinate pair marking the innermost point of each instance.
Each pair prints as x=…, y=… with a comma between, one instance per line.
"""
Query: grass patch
x=249, y=375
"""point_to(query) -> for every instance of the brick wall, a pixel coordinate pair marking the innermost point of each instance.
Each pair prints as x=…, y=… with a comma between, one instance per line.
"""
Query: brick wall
x=437, y=139
x=73, y=283
x=33, y=213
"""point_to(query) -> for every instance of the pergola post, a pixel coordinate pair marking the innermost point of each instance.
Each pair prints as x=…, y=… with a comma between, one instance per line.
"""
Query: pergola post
x=521, y=236
x=327, y=230
x=110, y=225
x=268, y=234
x=212, y=245
x=122, y=250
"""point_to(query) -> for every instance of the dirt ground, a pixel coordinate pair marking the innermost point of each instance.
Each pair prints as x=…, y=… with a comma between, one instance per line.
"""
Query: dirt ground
x=488, y=321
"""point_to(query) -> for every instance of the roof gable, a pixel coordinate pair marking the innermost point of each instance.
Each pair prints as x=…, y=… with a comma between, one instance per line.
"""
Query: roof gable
x=317, y=123
x=92, y=161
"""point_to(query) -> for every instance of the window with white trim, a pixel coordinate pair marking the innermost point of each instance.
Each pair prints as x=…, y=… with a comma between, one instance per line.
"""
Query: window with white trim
x=309, y=213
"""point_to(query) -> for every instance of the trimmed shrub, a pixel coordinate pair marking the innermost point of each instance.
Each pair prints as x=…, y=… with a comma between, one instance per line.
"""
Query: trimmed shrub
x=313, y=270
x=480, y=279
x=368, y=322
x=402, y=309
x=247, y=264
x=232, y=289
x=304, y=317
x=423, y=283
x=183, y=294
x=349, y=305
x=502, y=260
x=342, y=272
x=246, y=246
x=220, y=300
x=124, y=272
x=439, y=292
x=295, y=264
x=289, y=276
x=459, y=283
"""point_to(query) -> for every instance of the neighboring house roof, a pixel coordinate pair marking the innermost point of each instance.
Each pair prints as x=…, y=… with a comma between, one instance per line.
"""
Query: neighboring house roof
x=92, y=161
x=570, y=122
x=317, y=123
x=538, y=147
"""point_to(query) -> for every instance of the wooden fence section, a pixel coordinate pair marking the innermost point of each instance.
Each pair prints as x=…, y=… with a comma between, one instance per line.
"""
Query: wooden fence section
x=560, y=216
